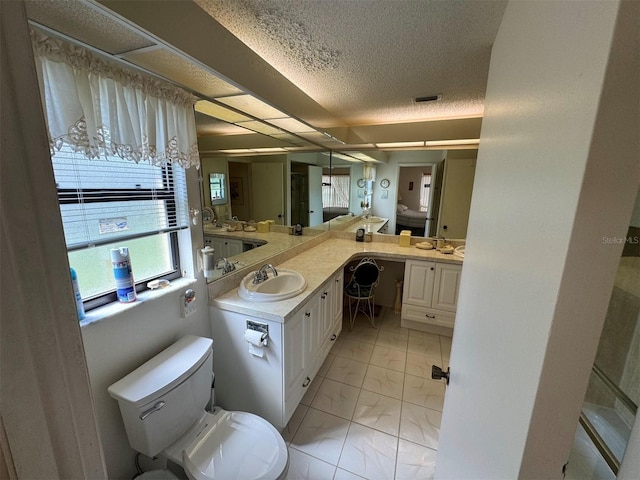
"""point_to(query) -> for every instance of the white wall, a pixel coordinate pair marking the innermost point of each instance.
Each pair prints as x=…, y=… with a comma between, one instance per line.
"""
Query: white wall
x=557, y=170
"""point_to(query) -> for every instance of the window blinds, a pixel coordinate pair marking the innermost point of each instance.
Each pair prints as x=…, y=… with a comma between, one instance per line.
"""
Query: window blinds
x=112, y=199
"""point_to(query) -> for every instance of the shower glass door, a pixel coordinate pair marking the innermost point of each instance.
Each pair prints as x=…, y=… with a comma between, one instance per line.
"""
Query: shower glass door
x=610, y=404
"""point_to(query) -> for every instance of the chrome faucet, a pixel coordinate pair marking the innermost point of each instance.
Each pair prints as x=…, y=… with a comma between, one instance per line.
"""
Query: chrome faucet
x=227, y=267
x=261, y=275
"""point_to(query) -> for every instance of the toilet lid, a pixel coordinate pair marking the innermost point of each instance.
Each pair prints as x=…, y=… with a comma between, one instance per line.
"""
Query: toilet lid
x=238, y=446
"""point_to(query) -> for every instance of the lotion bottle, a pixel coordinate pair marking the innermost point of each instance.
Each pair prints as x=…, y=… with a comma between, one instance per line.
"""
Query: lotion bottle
x=76, y=294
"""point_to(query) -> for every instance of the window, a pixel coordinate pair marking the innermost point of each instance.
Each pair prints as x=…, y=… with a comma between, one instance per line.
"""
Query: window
x=119, y=142
x=335, y=190
x=111, y=203
x=425, y=190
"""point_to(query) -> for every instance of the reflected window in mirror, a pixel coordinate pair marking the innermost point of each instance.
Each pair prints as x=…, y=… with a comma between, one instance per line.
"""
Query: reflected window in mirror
x=335, y=193
x=217, y=188
x=425, y=191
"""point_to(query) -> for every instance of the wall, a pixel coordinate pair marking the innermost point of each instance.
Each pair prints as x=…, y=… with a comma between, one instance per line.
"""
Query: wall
x=557, y=170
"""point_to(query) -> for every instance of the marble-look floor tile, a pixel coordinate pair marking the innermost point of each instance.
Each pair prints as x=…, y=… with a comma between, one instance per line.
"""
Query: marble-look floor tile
x=306, y=467
x=415, y=462
x=342, y=474
x=322, y=371
x=420, y=425
x=362, y=332
x=378, y=411
x=321, y=435
x=336, y=398
x=347, y=371
x=294, y=423
x=427, y=346
x=355, y=350
x=369, y=453
x=390, y=358
x=424, y=392
x=391, y=322
x=384, y=381
x=392, y=340
x=420, y=365
x=445, y=345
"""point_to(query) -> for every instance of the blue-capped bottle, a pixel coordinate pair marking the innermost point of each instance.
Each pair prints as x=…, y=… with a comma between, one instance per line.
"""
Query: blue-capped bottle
x=123, y=274
x=76, y=294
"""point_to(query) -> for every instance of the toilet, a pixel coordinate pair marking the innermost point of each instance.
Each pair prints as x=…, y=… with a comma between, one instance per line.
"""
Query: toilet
x=162, y=404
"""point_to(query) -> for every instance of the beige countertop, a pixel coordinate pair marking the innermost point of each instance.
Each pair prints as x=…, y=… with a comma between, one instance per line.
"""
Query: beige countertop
x=274, y=243
x=317, y=264
x=368, y=227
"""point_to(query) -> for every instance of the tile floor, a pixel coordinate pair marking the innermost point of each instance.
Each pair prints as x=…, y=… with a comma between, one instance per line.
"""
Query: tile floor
x=372, y=411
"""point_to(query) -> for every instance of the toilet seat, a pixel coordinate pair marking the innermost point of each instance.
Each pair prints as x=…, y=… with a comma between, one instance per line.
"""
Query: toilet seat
x=232, y=446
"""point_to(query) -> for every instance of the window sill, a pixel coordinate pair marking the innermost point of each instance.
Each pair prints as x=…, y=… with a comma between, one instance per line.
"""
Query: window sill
x=111, y=310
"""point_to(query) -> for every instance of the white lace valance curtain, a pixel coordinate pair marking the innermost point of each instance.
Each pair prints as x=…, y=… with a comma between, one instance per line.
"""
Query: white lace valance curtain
x=101, y=109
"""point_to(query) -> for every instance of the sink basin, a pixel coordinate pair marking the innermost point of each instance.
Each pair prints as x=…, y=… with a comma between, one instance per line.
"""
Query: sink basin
x=286, y=285
x=459, y=251
x=372, y=220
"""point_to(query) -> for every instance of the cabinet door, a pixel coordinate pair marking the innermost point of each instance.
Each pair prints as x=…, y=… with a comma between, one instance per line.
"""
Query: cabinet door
x=314, y=332
x=294, y=355
x=418, y=282
x=233, y=247
x=326, y=310
x=445, y=290
x=218, y=245
x=337, y=299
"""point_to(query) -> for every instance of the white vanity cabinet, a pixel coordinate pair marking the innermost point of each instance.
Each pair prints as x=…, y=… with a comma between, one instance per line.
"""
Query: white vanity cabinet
x=224, y=247
x=316, y=326
x=430, y=293
x=273, y=385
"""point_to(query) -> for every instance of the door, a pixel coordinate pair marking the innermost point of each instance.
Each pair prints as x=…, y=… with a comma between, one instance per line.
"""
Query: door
x=546, y=199
x=267, y=188
x=315, y=195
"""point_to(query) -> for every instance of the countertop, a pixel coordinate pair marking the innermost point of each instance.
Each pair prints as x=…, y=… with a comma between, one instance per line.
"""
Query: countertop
x=319, y=263
x=368, y=227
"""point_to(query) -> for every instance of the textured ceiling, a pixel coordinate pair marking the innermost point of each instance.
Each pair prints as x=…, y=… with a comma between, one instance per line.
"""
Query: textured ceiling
x=365, y=61
x=87, y=24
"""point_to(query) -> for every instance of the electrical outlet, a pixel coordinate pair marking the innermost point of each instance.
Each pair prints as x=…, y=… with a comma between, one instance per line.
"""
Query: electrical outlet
x=187, y=308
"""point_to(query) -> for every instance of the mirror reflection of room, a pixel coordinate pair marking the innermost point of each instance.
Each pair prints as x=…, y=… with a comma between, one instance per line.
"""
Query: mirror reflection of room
x=414, y=197
x=336, y=184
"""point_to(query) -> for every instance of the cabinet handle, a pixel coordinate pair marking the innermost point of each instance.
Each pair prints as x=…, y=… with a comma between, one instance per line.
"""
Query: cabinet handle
x=432, y=268
x=429, y=316
x=333, y=337
x=307, y=381
x=307, y=314
x=324, y=295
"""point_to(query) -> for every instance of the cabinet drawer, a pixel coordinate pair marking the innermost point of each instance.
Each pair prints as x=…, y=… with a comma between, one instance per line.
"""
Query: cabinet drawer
x=427, y=315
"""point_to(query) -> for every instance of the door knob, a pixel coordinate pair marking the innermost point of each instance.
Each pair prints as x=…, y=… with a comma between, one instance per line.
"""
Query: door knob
x=438, y=374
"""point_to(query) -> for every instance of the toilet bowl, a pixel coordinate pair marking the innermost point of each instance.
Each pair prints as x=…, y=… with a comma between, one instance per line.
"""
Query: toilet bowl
x=162, y=404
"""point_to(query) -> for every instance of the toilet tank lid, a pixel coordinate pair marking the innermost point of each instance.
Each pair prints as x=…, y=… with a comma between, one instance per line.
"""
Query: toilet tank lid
x=163, y=372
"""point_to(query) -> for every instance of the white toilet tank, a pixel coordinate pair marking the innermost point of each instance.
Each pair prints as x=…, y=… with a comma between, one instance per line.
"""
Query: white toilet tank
x=165, y=396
